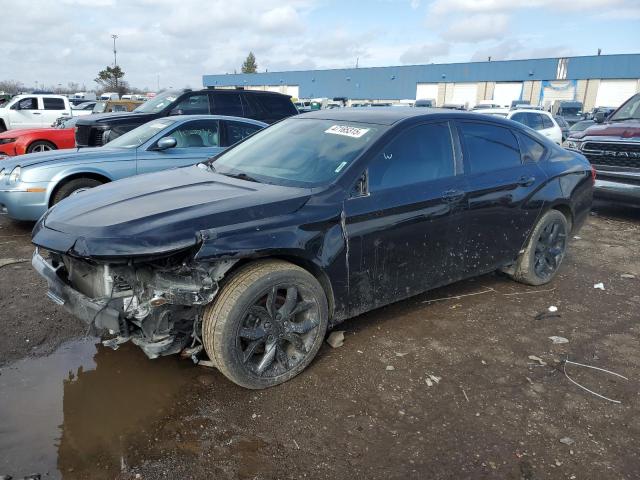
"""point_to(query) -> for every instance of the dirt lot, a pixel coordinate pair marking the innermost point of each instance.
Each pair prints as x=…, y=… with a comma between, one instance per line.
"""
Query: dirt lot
x=365, y=410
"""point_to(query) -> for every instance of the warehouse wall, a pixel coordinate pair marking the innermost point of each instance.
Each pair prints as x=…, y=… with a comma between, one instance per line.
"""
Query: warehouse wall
x=399, y=82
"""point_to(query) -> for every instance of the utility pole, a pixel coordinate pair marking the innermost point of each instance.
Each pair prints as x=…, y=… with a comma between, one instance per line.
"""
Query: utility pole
x=115, y=58
x=158, y=83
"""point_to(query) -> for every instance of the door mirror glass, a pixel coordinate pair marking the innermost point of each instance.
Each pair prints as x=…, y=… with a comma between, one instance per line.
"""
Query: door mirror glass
x=166, y=143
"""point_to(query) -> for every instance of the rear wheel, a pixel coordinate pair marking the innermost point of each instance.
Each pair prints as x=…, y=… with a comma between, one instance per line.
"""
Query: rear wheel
x=74, y=186
x=266, y=324
x=539, y=262
x=41, y=146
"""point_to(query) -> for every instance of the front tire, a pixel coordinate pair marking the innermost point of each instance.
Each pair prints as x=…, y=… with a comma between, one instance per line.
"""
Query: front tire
x=41, y=146
x=545, y=250
x=266, y=324
x=74, y=186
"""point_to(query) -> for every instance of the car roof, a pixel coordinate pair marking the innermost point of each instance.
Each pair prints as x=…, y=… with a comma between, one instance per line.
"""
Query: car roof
x=492, y=110
x=531, y=110
x=242, y=90
x=378, y=115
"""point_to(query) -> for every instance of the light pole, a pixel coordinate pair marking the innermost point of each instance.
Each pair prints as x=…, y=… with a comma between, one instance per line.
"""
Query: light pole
x=115, y=58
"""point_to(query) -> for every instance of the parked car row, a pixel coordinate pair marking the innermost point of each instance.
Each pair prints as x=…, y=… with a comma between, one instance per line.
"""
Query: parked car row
x=30, y=184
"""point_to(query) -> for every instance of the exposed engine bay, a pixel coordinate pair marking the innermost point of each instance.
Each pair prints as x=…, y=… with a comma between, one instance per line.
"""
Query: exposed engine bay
x=159, y=303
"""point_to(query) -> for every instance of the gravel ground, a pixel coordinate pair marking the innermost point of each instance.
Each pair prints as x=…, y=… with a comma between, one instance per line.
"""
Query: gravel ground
x=425, y=388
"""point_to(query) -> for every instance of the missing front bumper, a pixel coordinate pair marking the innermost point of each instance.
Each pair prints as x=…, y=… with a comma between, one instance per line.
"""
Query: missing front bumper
x=97, y=312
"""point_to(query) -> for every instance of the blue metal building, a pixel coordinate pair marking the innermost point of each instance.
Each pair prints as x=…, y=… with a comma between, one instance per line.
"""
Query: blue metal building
x=537, y=80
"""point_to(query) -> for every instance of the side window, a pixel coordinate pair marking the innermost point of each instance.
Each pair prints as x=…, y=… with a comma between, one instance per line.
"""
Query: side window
x=227, y=104
x=546, y=122
x=531, y=150
x=193, y=105
x=30, y=103
x=236, y=131
x=489, y=147
x=53, y=103
x=420, y=154
x=199, y=133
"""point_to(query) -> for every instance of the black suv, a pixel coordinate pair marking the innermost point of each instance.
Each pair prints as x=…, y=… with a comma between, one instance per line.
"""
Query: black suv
x=269, y=107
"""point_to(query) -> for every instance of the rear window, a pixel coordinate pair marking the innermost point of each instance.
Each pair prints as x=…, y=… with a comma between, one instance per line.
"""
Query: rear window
x=274, y=105
x=489, y=147
x=53, y=103
x=546, y=122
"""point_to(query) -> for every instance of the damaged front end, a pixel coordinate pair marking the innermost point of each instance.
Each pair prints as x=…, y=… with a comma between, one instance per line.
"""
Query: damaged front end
x=156, y=303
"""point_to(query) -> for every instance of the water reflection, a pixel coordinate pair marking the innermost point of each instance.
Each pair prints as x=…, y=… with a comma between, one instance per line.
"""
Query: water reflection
x=75, y=413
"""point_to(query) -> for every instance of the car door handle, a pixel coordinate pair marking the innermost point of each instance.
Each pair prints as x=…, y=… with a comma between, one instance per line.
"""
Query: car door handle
x=525, y=181
x=36, y=113
x=453, y=196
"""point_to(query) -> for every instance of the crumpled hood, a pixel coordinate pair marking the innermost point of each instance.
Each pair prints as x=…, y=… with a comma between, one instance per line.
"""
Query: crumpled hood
x=75, y=155
x=159, y=212
x=626, y=129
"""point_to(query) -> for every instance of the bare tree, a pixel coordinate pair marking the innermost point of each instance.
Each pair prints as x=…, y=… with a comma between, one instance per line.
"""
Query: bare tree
x=12, y=87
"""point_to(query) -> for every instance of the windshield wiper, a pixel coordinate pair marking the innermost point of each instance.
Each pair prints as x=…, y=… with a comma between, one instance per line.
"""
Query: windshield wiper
x=241, y=176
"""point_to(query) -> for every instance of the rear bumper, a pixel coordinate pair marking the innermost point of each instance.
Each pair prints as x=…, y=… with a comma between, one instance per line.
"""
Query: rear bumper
x=80, y=306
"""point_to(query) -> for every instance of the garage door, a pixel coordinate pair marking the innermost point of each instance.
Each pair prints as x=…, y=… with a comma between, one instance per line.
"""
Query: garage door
x=293, y=90
x=427, y=91
x=464, y=94
x=558, y=91
x=505, y=93
x=612, y=93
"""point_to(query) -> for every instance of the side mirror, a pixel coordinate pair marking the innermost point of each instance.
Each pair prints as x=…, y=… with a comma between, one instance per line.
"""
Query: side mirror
x=361, y=188
x=166, y=143
x=176, y=111
x=600, y=117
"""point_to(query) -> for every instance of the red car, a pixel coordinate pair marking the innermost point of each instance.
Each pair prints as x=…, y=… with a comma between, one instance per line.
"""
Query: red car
x=31, y=140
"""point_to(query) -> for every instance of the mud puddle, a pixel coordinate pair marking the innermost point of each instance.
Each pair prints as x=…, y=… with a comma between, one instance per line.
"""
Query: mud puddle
x=76, y=412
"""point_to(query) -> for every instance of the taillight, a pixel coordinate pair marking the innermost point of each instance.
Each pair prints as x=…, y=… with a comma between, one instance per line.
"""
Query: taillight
x=593, y=174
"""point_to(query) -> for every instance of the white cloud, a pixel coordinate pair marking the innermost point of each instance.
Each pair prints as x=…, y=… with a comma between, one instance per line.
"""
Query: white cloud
x=424, y=53
x=475, y=28
x=514, y=49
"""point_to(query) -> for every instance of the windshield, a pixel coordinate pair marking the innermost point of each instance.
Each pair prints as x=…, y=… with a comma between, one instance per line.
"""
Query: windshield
x=298, y=152
x=140, y=135
x=580, y=126
x=99, y=107
x=157, y=103
x=628, y=111
x=69, y=123
x=571, y=111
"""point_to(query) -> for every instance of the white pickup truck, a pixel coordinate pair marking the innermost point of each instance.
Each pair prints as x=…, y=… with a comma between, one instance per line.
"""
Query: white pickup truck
x=33, y=111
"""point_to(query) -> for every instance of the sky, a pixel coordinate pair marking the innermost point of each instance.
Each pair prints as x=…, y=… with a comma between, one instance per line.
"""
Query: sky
x=173, y=43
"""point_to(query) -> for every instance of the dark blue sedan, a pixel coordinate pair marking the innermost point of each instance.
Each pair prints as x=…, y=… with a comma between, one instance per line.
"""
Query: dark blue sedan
x=247, y=259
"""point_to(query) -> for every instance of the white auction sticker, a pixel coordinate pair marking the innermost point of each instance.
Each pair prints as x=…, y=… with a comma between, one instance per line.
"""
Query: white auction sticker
x=347, y=131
